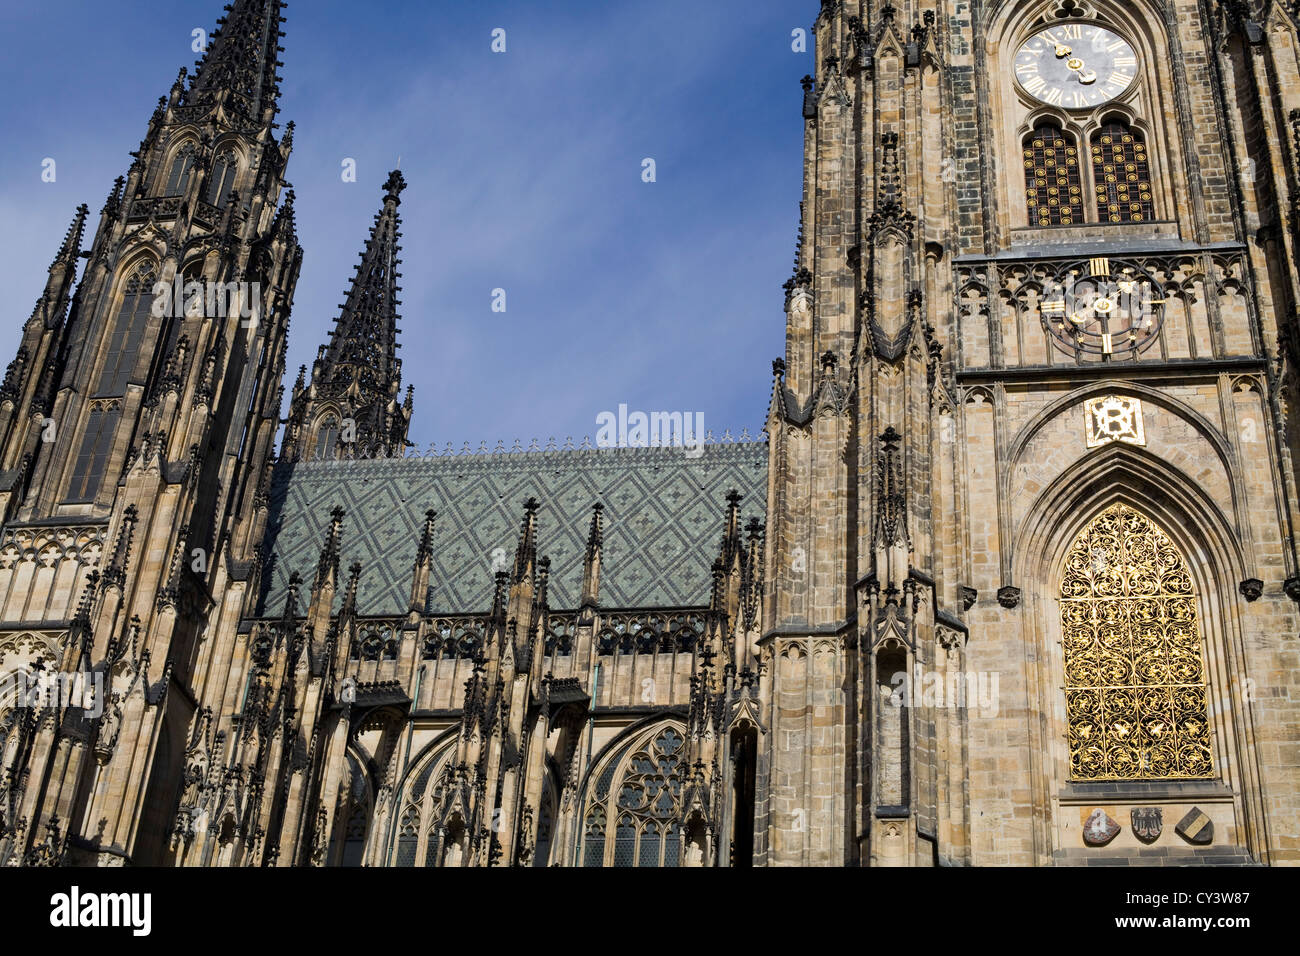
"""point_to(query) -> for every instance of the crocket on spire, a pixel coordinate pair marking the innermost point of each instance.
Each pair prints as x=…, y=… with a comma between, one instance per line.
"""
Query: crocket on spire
x=238, y=69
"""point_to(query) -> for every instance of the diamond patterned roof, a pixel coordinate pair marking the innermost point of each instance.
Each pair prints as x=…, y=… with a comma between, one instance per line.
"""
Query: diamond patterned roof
x=663, y=524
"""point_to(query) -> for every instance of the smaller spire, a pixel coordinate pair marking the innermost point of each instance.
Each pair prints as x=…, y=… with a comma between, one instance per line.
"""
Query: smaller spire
x=350, y=597
x=425, y=550
x=526, y=552
x=591, y=566
x=327, y=567
x=71, y=248
x=114, y=201
x=291, y=598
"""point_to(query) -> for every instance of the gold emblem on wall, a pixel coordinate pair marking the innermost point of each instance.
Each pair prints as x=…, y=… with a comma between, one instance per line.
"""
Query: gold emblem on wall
x=1114, y=418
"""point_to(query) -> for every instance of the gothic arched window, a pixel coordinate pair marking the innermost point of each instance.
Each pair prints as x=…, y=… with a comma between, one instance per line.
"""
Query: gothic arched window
x=91, y=463
x=1121, y=172
x=178, y=180
x=644, y=805
x=327, y=436
x=222, y=180
x=408, y=838
x=128, y=331
x=1135, y=681
x=1053, y=186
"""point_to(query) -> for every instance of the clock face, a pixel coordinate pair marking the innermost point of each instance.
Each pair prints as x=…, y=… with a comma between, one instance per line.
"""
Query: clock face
x=1101, y=307
x=1076, y=66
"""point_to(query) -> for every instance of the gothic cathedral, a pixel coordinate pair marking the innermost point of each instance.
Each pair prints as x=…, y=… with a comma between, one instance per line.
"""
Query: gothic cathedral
x=1012, y=577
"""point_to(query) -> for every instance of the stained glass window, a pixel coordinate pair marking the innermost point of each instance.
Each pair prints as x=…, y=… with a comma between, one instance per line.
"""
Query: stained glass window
x=1053, y=188
x=647, y=800
x=408, y=837
x=354, y=846
x=1135, y=685
x=327, y=437
x=1122, y=174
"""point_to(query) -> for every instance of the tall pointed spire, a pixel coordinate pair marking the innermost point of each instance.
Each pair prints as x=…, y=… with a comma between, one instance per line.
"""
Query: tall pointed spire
x=363, y=345
x=353, y=405
x=238, y=69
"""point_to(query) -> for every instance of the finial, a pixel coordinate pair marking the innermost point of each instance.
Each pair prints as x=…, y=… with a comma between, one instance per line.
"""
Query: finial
x=394, y=186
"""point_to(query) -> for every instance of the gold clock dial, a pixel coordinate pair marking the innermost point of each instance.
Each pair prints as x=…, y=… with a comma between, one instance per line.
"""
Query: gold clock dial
x=1076, y=66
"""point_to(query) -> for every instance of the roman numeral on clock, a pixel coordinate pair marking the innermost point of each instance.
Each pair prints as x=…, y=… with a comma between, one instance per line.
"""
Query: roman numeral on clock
x=1099, y=267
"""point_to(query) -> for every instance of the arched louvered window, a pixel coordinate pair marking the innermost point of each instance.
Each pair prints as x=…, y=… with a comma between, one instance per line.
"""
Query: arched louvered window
x=1053, y=185
x=128, y=331
x=222, y=180
x=178, y=180
x=1121, y=171
x=646, y=800
x=327, y=437
x=1135, y=680
x=91, y=463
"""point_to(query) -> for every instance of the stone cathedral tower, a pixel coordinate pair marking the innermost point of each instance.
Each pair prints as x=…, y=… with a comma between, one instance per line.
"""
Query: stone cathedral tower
x=136, y=430
x=1032, y=560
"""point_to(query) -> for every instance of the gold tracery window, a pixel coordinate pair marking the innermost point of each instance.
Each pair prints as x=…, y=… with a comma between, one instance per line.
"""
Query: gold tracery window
x=1135, y=685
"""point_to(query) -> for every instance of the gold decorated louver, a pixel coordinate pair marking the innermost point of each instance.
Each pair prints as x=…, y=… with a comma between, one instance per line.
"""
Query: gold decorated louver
x=1053, y=188
x=1122, y=173
x=1135, y=686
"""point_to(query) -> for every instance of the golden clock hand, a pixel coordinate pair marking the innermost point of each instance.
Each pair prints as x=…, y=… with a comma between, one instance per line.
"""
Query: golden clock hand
x=1086, y=76
x=1062, y=51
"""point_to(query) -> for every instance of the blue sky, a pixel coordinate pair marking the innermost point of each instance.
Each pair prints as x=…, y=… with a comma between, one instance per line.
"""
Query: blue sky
x=524, y=173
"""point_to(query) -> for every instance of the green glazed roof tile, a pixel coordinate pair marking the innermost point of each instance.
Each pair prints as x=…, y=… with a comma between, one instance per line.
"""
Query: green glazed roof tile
x=664, y=516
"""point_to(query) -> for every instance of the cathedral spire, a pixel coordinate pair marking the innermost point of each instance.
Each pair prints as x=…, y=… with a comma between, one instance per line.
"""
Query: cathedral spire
x=526, y=552
x=238, y=69
x=353, y=404
x=591, y=566
x=363, y=345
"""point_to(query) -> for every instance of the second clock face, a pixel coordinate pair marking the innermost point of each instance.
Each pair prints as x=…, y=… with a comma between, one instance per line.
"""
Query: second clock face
x=1076, y=66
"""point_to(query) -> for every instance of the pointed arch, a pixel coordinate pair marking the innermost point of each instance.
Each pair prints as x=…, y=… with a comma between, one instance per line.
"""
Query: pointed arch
x=1215, y=562
x=633, y=799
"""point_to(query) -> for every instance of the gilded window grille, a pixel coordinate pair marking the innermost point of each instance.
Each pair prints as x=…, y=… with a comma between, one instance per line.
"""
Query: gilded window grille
x=1122, y=174
x=1053, y=187
x=1135, y=686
